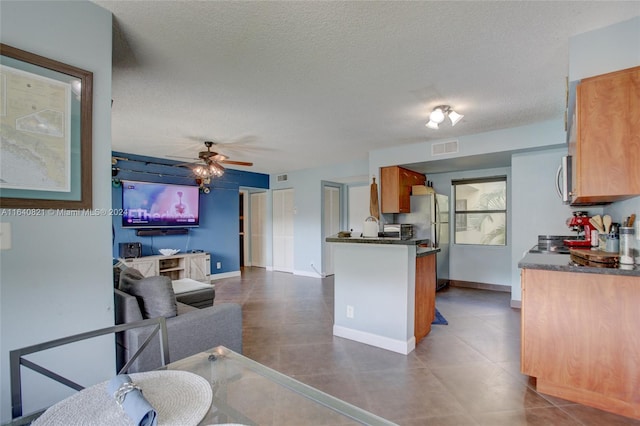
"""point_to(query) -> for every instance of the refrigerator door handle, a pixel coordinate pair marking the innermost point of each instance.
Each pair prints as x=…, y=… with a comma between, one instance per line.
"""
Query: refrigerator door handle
x=436, y=223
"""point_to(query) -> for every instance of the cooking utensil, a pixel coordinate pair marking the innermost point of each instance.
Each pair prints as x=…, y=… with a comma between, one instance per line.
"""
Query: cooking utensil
x=632, y=220
x=597, y=225
x=606, y=220
x=598, y=220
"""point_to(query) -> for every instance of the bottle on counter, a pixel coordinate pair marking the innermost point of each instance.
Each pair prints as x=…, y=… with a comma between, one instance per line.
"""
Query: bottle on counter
x=627, y=245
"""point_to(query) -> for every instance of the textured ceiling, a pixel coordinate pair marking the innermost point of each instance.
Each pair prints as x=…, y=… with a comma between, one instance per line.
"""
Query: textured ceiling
x=296, y=85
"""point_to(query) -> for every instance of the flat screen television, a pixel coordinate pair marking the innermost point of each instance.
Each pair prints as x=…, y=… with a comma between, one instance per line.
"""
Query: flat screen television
x=159, y=205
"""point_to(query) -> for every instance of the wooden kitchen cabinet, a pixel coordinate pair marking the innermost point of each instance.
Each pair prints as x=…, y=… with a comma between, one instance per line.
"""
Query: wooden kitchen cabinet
x=395, y=188
x=606, y=149
x=425, y=304
x=580, y=337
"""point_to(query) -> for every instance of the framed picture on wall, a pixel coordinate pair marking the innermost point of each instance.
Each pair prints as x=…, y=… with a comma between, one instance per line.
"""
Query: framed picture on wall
x=46, y=137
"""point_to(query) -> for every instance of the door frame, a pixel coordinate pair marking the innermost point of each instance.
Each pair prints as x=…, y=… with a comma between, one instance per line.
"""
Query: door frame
x=341, y=220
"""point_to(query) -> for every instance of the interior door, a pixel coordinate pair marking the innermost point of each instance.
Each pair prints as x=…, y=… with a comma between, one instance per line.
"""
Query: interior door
x=358, y=206
x=258, y=238
x=331, y=224
x=283, y=230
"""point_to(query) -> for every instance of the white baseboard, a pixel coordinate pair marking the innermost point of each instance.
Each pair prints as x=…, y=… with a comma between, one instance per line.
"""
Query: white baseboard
x=392, y=345
x=225, y=275
x=307, y=274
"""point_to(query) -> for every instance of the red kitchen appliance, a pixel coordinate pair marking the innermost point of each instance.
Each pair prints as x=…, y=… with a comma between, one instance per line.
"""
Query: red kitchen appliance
x=579, y=222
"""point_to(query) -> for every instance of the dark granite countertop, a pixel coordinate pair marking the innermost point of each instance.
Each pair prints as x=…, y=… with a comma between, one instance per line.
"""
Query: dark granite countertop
x=420, y=251
x=375, y=240
x=563, y=263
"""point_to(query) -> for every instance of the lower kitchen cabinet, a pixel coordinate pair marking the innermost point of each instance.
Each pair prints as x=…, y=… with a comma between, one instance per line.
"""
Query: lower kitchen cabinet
x=425, y=310
x=581, y=337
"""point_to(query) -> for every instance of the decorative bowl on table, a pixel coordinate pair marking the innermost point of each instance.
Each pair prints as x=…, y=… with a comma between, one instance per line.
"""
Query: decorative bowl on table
x=168, y=252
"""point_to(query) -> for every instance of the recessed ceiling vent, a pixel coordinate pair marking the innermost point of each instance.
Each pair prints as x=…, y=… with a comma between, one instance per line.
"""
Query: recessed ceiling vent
x=282, y=178
x=442, y=148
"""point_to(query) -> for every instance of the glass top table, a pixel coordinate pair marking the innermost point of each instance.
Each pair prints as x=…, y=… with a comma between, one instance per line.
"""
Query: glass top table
x=249, y=393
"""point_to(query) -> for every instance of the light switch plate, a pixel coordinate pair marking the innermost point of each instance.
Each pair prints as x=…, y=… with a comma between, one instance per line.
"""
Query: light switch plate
x=5, y=236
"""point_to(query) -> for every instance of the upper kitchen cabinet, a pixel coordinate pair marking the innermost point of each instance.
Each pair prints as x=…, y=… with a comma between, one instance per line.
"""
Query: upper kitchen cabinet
x=606, y=146
x=395, y=188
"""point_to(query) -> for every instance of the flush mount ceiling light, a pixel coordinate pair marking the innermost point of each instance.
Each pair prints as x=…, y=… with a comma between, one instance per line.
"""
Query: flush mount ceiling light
x=438, y=115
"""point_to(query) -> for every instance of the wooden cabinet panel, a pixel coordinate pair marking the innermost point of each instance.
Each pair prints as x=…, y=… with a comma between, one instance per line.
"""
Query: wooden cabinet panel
x=580, y=337
x=607, y=148
x=196, y=266
x=199, y=267
x=425, y=304
x=395, y=188
x=389, y=189
x=147, y=267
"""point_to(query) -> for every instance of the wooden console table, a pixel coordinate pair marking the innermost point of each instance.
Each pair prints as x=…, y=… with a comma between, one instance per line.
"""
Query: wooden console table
x=196, y=266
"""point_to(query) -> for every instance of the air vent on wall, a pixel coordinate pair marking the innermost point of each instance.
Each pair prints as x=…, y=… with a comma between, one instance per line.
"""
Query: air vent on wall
x=282, y=178
x=442, y=148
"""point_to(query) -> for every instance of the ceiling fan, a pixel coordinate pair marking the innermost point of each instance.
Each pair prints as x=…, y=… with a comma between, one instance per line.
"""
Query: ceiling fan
x=211, y=165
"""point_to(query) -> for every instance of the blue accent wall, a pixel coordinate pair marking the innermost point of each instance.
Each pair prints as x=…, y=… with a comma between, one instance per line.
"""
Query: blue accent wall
x=218, y=232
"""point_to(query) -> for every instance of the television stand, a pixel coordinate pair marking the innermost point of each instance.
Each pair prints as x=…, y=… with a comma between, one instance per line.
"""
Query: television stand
x=196, y=266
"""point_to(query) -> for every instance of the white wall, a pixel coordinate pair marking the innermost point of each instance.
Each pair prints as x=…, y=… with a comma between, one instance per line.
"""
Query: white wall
x=607, y=49
x=547, y=134
x=536, y=207
x=307, y=226
x=56, y=280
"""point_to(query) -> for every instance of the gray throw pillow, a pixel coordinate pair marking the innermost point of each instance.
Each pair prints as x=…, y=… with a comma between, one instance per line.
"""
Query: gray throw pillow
x=155, y=294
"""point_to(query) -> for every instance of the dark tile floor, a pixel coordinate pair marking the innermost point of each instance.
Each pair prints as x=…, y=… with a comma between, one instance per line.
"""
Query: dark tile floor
x=464, y=373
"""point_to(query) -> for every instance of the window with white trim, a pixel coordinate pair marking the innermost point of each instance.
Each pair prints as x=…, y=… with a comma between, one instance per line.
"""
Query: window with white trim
x=481, y=211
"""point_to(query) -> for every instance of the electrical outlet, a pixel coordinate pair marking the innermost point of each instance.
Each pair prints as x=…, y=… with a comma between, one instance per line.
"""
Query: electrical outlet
x=350, y=313
x=218, y=265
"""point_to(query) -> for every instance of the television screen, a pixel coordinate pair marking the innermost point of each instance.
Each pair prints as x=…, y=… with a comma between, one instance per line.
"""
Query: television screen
x=159, y=205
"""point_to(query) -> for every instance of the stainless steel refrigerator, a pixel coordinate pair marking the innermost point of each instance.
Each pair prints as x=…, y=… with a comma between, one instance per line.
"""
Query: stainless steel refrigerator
x=430, y=218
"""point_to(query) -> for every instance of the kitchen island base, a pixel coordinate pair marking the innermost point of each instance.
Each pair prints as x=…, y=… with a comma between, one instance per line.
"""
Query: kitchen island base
x=375, y=294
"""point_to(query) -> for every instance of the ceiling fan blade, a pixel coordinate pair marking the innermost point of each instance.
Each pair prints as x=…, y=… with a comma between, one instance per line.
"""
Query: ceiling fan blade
x=182, y=157
x=218, y=157
x=237, y=163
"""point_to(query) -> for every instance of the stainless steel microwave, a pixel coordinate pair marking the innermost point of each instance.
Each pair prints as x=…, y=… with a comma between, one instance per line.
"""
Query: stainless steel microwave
x=563, y=179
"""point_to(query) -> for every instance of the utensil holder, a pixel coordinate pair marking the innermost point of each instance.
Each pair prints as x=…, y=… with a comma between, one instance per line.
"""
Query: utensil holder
x=613, y=244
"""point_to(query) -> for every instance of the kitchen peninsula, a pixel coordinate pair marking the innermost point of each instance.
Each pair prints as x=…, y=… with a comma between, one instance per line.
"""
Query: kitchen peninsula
x=384, y=291
x=580, y=332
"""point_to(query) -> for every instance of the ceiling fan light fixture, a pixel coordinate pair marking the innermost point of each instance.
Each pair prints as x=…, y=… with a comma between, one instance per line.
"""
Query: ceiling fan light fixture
x=201, y=171
x=432, y=125
x=215, y=169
